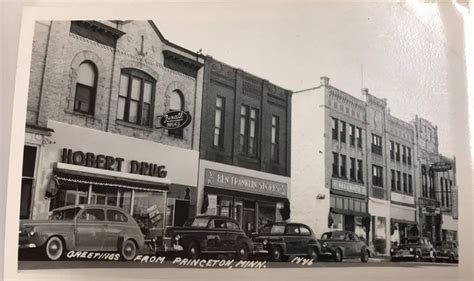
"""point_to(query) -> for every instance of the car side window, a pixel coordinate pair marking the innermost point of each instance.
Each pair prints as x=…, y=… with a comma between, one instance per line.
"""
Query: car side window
x=116, y=216
x=292, y=230
x=93, y=215
x=304, y=230
x=218, y=223
x=232, y=225
x=351, y=237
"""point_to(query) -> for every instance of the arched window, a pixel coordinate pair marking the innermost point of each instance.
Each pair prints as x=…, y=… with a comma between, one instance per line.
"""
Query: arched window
x=86, y=88
x=136, y=97
x=176, y=103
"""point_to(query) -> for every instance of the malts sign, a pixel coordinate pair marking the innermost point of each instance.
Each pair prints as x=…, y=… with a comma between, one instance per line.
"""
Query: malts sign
x=175, y=119
x=107, y=162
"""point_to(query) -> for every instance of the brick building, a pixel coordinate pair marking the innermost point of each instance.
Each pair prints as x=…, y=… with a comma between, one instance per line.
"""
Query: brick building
x=244, y=149
x=97, y=91
x=357, y=167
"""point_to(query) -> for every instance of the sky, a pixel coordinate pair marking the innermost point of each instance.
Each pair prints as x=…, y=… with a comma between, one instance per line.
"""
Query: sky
x=406, y=53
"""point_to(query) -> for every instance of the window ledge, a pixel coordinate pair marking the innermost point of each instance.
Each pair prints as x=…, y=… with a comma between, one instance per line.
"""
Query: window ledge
x=80, y=114
x=134, y=126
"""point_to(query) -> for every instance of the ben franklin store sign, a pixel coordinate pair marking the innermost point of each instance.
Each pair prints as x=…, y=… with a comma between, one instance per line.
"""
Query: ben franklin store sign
x=106, y=162
x=243, y=183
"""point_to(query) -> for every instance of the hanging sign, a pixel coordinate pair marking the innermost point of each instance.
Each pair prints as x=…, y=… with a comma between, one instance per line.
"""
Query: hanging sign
x=441, y=166
x=175, y=119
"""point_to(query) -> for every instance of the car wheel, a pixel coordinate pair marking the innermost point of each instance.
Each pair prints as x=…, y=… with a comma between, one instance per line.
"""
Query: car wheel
x=192, y=250
x=276, y=253
x=313, y=253
x=54, y=248
x=242, y=252
x=338, y=255
x=364, y=256
x=417, y=257
x=128, y=250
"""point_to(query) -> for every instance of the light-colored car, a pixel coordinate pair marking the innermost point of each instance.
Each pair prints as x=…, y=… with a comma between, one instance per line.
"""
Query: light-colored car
x=83, y=228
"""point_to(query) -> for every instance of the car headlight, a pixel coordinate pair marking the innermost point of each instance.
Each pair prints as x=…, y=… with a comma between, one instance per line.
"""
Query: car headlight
x=265, y=242
x=411, y=249
x=325, y=245
x=177, y=237
x=392, y=250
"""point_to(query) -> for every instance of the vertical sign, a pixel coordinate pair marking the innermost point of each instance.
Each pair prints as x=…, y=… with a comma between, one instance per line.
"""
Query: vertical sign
x=454, y=206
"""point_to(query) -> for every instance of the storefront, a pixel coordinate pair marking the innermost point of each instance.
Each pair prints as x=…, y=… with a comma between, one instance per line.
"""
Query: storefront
x=449, y=230
x=430, y=219
x=155, y=183
x=402, y=218
x=349, y=214
x=250, y=197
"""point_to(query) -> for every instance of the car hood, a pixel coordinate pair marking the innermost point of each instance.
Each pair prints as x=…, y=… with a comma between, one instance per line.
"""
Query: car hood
x=177, y=229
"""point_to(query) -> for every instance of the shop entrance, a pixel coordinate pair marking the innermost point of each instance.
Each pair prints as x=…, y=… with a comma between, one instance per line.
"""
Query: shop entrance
x=349, y=223
x=248, y=224
x=181, y=212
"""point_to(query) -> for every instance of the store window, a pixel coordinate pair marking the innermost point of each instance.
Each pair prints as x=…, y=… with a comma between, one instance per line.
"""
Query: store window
x=136, y=97
x=336, y=222
x=219, y=122
x=70, y=194
x=149, y=210
x=27, y=180
x=86, y=88
x=266, y=213
x=176, y=104
x=380, y=234
x=359, y=228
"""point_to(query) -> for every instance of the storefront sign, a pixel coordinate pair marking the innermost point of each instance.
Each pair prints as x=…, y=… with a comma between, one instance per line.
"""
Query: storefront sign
x=175, y=119
x=112, y=163
x=244, y=183
x=430, y=211
x=348, y=187
x=441, y=166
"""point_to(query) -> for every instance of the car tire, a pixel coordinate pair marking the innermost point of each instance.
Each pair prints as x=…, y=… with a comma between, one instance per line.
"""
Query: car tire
x=364, y=256
x=54, y=248
x=338, y=255
x=417, y=257
x=242, y=252
x=192, y=250
x=128, y=250
x=451, y=259
x=313, y=253
x=276, y=253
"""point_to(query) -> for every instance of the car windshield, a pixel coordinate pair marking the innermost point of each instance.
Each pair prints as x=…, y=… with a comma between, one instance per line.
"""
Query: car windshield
x=333, y=236
x=64, y=215
x=197, y=222
x=412, y=241
x=273, y=229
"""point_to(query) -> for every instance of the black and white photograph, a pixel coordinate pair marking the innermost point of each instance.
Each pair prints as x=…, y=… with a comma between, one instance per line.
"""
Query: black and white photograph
x=268, y=136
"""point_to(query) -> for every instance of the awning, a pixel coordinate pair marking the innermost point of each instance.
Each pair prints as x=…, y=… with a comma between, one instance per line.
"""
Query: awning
x=253, y=196
x=64, y=176
x=350, y=212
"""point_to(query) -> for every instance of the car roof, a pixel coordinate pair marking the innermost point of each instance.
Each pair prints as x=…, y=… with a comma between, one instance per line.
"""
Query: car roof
x=89, y=206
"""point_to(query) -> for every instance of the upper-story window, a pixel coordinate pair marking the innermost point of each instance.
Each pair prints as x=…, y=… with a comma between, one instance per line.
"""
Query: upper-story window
x=352, y=135
x=410, y=184
x=360, y=176
x=352, y=169
x=343, y=173
x=376, y=144
x=335, y=164
x=135, y=103
x=248, y=130
x=392, y=150
x=377, y=177
x=335, y=126
x=219, y=122
x=409, y=156
x=393, y=179
x=343, y=131
x=176, y=104
x=359, y=137
x=404, y=154
x=275, y=138
x=424, y=188
x=397, y=151
x=86, y=88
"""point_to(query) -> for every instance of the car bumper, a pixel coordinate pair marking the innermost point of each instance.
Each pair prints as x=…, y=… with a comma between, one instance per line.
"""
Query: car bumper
x=168, y=246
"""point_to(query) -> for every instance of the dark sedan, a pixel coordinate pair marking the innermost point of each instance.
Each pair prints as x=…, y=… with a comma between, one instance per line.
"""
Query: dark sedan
x=207, y=235
x=281, y=240
x=414, y=248
x=344, y=244
x=447, y=251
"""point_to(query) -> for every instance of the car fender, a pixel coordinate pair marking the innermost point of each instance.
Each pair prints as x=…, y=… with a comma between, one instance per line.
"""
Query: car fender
x=280, y=244
x=314, y=243
x=68, y=238
x=135, y=235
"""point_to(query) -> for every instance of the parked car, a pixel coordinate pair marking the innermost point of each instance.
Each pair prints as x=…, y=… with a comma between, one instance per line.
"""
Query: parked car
x=447, y=251
x=209, y=235
x=83, y=228
x=414, y=248
x=344, y=244
x=282, y=240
